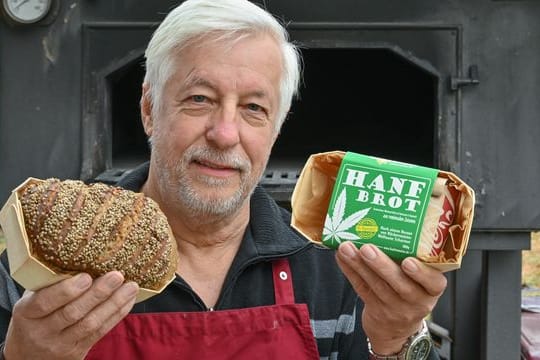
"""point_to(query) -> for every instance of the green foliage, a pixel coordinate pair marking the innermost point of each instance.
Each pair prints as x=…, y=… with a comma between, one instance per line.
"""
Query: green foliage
x=531, y=263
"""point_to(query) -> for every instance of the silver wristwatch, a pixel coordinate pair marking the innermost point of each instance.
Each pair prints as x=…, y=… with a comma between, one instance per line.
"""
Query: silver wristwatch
x=417, y=347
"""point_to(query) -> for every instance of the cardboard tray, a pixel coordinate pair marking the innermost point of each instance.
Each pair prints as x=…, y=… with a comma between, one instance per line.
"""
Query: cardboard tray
x=27, y=270
x=311, y=182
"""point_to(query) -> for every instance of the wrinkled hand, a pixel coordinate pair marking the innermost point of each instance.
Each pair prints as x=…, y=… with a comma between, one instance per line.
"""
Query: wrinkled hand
x=64, y=320
x=396, y=298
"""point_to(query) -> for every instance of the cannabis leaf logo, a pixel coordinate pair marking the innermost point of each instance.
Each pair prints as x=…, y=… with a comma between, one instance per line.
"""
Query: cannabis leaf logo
x=335, y=227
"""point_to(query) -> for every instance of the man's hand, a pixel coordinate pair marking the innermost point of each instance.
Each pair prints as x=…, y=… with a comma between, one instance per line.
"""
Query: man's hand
x=397, y=298
x=64, y=320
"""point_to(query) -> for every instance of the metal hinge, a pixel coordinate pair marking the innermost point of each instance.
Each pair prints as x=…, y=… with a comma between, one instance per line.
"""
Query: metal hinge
x=457, y=82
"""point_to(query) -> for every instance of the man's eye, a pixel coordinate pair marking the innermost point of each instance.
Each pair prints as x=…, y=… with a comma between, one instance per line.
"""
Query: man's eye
x=198, y=98
x=254, y=107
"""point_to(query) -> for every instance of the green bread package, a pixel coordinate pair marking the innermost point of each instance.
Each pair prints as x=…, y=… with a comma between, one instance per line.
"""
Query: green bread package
x=404, y=209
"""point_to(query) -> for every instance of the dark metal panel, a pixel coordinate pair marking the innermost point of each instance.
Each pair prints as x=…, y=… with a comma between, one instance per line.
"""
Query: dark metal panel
x=108, y=48
x=434, y=47
x=361, y=10
x=500, y=130
x=481, y=305
x=501, y=316
x=127, y=10
x=458, y=308
x=39, y=100
x=500, y=241
x=501, y=127
x=466, y=301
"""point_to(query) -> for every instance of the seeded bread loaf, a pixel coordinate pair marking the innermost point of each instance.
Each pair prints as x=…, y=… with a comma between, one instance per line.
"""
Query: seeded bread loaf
x=73, y=227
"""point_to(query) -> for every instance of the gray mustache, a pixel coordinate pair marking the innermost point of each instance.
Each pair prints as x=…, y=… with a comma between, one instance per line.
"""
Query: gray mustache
x=228, y=159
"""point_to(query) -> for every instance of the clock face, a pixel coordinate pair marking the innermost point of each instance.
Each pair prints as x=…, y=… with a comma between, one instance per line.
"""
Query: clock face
x=26, y=11
x=419, y=350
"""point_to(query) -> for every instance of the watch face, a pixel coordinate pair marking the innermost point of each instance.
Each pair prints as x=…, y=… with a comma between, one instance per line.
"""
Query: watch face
x=26, y=11
x=419, y=350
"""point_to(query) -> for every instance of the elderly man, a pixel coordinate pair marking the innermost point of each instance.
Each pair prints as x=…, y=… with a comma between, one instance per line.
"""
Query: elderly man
x=219, y=83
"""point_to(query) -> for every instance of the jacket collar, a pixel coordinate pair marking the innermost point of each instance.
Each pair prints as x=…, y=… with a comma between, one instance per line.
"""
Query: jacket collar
x=268, y=234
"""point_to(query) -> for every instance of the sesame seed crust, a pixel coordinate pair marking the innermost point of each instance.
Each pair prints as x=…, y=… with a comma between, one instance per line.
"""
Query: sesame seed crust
x=73, y=227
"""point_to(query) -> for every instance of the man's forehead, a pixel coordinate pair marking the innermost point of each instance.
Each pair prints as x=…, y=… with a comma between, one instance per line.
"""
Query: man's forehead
x=198, y=78
x=195, y=79
x=260, y=47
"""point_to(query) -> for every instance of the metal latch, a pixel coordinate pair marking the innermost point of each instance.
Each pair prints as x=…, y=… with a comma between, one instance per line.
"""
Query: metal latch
x=457, y=82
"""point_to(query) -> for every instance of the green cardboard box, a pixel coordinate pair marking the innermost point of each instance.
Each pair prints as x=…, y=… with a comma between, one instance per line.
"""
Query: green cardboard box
x=353, y=197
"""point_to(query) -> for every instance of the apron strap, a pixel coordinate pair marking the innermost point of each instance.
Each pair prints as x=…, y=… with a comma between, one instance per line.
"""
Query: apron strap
x=283, y=287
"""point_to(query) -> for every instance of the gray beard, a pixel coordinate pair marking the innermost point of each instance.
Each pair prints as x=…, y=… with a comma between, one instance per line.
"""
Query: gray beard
x=176, y=183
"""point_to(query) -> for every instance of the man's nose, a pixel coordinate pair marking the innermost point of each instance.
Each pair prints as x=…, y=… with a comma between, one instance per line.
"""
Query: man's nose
x=223, y=130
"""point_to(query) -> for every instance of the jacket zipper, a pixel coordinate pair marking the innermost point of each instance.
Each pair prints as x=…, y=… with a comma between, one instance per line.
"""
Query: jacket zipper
x=241, y=269
x=228, y=285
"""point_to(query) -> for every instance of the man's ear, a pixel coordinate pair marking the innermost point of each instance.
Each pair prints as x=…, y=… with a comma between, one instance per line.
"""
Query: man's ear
x=146, y=110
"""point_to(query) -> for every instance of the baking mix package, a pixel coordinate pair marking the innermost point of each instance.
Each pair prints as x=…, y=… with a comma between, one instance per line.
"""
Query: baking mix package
x=404, y=209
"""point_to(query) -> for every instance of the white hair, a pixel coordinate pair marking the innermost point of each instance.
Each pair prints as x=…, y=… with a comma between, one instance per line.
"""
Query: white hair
x=231, y=19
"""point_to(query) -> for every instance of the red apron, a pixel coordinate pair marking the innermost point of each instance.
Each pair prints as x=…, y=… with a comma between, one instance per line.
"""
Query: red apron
x=280, y=331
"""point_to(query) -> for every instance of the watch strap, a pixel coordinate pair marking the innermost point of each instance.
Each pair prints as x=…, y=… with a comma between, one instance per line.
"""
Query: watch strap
x=401, y=355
